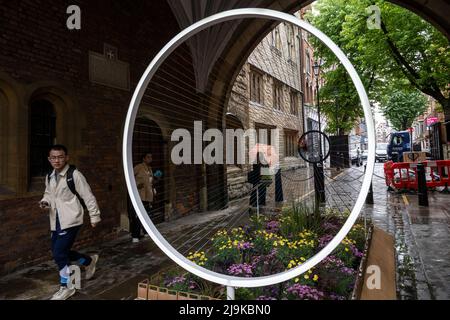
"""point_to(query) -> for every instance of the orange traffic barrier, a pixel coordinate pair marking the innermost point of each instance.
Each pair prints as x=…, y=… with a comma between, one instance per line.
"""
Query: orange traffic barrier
x=403, y=175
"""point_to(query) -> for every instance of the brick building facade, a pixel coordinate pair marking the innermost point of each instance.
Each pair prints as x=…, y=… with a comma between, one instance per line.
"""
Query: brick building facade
x=267, y=94
x=74, y=87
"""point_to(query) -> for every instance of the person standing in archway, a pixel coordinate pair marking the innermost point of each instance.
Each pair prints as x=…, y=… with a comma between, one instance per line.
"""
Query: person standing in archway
x=144, y=180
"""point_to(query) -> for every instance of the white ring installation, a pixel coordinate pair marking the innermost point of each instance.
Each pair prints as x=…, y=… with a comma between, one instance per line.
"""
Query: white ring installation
x=160, y=241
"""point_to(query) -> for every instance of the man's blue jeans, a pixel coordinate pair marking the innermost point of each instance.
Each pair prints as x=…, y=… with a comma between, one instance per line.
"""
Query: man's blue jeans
x=62, y=242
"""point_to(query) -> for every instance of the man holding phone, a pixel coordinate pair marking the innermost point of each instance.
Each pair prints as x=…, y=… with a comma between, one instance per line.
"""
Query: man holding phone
x=65, y=206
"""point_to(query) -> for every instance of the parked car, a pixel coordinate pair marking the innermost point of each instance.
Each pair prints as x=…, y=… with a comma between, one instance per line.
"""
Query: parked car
x=381, y=152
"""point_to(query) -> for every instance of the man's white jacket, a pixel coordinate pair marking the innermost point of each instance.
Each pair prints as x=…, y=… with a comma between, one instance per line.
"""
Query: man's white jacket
x=63, y=201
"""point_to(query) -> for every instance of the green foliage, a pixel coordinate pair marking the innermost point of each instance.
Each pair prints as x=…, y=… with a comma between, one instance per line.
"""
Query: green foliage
x=402, y=108
x=299, y=217
x=406, y=53
x=245, y=294
x=257, y=222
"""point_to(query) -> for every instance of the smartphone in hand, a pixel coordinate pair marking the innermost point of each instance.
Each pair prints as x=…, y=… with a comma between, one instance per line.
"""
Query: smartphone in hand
x=44, y=205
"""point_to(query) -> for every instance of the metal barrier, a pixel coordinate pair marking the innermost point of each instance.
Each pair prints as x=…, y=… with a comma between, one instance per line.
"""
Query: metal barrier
x=403, y=175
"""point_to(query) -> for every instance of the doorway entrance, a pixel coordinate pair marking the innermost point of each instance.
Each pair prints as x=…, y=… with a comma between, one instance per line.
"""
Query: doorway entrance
x=148, y=138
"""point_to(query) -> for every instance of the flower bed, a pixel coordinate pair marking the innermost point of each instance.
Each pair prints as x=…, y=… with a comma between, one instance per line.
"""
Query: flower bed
x=269, y=245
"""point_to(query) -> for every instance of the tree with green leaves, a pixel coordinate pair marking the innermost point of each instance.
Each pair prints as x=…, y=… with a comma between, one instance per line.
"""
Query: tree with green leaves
x=402, y=108
x=405, y=53
x=338, y=101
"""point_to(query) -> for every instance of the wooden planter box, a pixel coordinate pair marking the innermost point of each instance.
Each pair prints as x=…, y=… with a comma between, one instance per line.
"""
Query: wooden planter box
x=147, y=291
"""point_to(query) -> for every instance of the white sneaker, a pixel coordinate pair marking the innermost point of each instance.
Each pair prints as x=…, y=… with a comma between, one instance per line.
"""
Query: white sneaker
x=135, y=240
x=63, y=293
x=90, y=269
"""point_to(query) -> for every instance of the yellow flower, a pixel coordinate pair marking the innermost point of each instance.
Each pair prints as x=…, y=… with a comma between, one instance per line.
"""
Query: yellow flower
x=316, y=277
x=306, y=276
x=296, y=280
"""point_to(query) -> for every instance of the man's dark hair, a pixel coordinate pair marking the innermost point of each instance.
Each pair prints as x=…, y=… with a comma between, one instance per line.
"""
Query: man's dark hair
x=146, y=154
x=58, y=147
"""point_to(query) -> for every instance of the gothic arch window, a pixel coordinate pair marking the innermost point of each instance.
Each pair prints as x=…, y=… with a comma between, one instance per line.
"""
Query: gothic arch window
x=9, y=139
x=42, y=135
x=276, y=38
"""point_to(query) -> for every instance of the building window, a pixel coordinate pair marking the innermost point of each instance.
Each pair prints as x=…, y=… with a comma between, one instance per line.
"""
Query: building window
x=264, y=134
x=291, y=42
x=256, y=86
x=308, y=63
x=42, y=136
x=290, y=143
x=277, y=95
x=276, y=39
x=294, y=103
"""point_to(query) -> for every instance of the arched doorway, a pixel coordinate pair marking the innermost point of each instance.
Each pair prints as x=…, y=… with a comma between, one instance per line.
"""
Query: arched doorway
x=148, y=138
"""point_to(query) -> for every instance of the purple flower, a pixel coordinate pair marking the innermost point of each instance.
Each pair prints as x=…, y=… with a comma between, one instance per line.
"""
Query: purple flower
x=328, y=226
x=244, y=245
x=305, y=292
x=335, y=296
x=348, y=271
x=175, y=281
x=356, y=252
x=332, y=262
x=323, y=241
x=244, y=269
x=192, y=285
x=273, y=226
x=265, y=298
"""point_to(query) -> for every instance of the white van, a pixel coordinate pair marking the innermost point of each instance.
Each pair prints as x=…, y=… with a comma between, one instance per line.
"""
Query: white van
x=381, y=152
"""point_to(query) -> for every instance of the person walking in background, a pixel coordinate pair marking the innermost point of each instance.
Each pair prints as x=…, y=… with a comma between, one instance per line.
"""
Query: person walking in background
x=66, y=193
x=144, y=180
x=254, y=177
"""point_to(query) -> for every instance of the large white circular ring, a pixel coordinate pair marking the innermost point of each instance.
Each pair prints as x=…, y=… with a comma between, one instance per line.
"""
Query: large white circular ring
x=128, y=136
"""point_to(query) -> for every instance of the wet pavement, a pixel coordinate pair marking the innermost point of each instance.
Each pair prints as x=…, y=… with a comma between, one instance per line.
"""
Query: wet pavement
x=422, y=240
x=123, y=264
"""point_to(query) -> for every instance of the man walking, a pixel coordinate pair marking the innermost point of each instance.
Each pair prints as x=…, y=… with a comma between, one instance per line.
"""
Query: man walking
x=66, y=192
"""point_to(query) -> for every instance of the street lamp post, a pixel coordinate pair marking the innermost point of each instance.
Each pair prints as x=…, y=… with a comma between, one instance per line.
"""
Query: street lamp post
x=319, y=179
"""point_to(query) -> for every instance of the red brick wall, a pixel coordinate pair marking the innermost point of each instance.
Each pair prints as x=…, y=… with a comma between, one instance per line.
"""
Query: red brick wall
x=36, y=46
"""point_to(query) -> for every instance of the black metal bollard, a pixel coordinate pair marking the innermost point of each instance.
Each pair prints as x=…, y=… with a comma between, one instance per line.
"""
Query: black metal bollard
x=369, y=198
x=445, y=190
x=319, y=183
x=278, y=187
x=422, y=185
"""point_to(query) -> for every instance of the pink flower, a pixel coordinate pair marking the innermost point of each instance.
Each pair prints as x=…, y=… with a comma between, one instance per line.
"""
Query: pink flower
x=244, y=269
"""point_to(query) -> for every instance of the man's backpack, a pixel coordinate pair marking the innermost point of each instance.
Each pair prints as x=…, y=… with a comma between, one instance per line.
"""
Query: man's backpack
x=71, y=185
